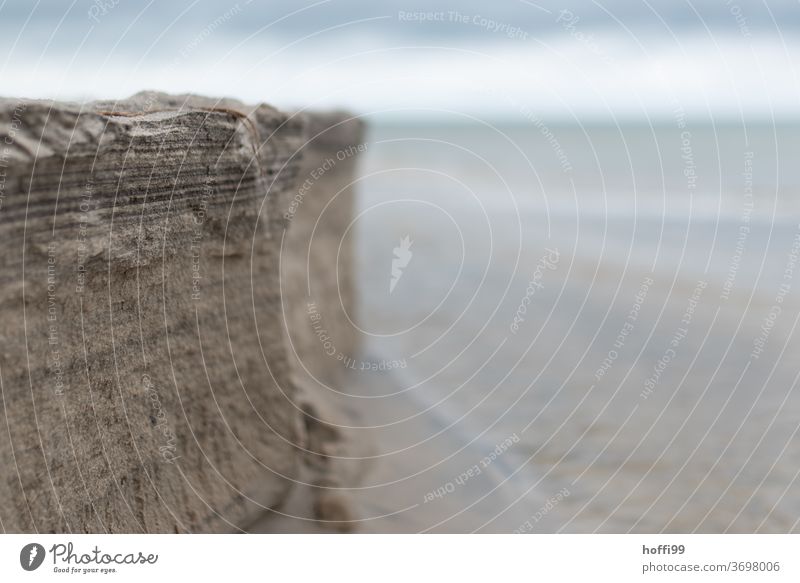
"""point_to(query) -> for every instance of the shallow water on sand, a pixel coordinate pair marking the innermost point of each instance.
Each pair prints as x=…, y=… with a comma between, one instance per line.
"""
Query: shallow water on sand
x=554, y=359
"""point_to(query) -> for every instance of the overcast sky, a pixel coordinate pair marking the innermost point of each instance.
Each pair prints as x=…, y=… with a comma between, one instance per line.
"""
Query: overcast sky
x=560, y=58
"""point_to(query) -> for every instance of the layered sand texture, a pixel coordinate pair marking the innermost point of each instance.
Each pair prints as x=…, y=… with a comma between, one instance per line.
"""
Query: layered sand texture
x=148, y=380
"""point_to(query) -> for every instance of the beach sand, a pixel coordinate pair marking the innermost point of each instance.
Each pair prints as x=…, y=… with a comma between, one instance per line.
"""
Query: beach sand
x=557, y=359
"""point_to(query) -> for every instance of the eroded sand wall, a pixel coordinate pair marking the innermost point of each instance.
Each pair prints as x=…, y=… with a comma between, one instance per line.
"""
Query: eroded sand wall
x=145, y=374
x=318, y=262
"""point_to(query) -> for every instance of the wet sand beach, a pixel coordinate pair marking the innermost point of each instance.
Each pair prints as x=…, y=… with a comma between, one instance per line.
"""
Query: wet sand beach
x=589, y=364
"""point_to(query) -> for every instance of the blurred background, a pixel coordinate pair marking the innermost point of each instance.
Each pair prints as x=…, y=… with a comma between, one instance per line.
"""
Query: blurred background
x=577, y=234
